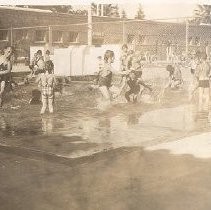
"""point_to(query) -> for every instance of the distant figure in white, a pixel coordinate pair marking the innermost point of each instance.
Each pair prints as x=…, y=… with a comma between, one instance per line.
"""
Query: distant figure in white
x=193, y=80
x=169, y=51
x=5, y=70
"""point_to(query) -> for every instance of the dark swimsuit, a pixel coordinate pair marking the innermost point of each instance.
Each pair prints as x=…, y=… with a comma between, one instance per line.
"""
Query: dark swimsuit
x=4, y=77
x=134, y=86
x=105, y=81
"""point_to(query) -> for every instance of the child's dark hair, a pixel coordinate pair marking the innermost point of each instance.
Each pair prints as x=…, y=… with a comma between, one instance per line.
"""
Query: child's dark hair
x=47, y=52
x=49, y=66
x=170, y=69
x=39, y=52
x=108, y=54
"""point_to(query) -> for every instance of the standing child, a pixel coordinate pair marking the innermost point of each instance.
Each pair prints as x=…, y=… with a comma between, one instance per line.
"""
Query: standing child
x=123, y=58
x=193, y=82
x=203, y=76
x=47, y=82
x=104, y=78
x=100, y=63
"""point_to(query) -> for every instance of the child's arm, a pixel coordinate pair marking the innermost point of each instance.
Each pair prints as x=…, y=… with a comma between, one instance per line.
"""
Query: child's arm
x=124, y=83
x=55, y=82
x=8, y=70
x=145, y=85
x=38, y=80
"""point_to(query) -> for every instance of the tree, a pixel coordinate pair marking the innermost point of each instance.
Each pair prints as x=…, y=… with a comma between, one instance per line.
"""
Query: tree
x=140, y=13
x=123, y=15
x=68, y=9
x=202, y=14
x=115, y=11
x=109, y=10
x=94, y=9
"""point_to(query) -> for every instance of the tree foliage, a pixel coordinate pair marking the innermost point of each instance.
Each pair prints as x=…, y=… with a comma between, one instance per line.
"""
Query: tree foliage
x=124, y=14
x=68, y=9
x=202, y=14
x=109, y=10
x=140, y=13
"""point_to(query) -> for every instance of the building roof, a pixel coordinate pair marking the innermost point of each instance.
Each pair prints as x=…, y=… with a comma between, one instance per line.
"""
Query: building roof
x=25, y=9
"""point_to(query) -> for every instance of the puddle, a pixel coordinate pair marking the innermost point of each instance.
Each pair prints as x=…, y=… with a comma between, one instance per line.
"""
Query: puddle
x=124, y=125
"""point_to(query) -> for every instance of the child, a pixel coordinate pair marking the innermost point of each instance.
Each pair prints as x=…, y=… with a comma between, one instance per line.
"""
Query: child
x=47, y=82
x=95, y=85
x=123, y=58
x=175, y=77
x=134, y=84
x=104, y=78
x=193, y=83
x=47, y=55
x=100, y=63
x=39, y=65
x=203, y=75
x=33, y=63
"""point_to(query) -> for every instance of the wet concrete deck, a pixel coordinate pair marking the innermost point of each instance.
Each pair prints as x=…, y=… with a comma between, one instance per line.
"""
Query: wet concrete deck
x=79, y=129
x=130, y=157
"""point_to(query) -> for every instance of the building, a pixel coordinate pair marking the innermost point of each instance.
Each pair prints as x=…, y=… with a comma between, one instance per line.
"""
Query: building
x=24, y=27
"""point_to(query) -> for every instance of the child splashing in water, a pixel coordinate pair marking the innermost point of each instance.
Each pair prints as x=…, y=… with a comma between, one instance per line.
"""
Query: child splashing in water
x=104, y=77
x=134, y=82
x=47, y=82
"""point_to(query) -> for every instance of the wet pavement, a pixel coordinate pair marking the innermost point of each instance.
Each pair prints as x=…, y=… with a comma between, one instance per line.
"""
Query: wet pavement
x=79, y=129
x=145, y=156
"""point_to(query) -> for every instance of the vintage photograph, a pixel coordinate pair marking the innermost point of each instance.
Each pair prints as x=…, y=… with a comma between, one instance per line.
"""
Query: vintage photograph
x=105, y=105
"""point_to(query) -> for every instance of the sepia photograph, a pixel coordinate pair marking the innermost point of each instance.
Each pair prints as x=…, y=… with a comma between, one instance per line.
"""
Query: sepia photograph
x=105, y=105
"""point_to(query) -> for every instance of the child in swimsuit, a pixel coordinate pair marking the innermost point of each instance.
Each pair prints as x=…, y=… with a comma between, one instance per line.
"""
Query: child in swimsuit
x=47, y=82
x=203, y=75
x=134, y=86
x=175, y=76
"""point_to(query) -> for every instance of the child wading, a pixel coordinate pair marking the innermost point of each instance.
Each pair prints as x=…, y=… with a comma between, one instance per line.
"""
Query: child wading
x=47, y=82
x=203, y=75
x=134, y=83
x=175, y=77
x=104, y=77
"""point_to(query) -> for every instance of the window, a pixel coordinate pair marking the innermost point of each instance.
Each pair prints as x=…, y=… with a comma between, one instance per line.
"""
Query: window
x=73, y=36
x=3, y=35
x=57, y=36
x=40, y=36
x=197, y=41
x=130, y=38
x=98, y=40
x=141, y=39
x=190, y=40
x=21, y=34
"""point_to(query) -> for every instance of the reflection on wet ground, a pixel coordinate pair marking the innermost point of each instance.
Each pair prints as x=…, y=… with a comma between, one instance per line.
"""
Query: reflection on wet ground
x=123, y=125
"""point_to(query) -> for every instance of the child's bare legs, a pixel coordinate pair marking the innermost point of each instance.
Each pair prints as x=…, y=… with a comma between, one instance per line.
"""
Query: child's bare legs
x=106, y=101
x=44, y=104
x=135, y=96
x=201, y=90
x=3, y=84
x=105, y=93
x=206, y=98
x=50, y=104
